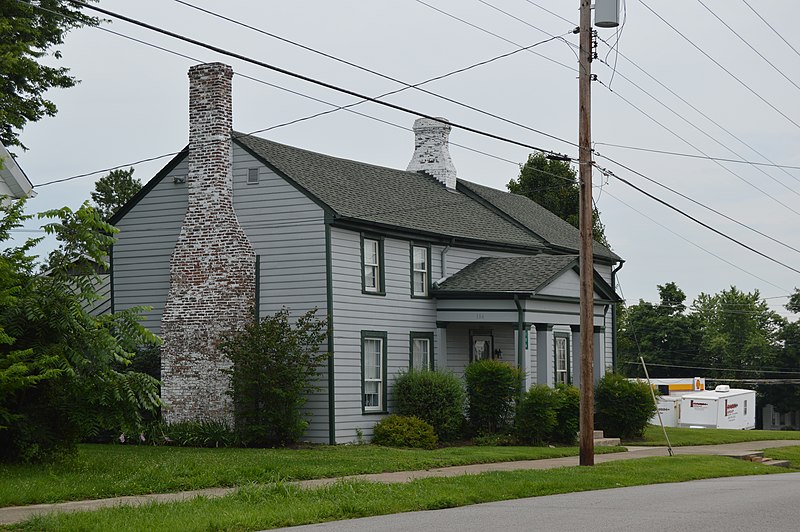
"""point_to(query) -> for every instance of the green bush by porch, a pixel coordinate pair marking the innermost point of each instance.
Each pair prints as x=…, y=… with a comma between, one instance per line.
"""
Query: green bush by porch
x=493, y=390
x=435, y=397
x=404, y=431
x=623, y=408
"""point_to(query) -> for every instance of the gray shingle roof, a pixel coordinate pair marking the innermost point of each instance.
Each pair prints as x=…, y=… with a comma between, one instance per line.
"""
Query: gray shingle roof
x=506, y=274
x=415, y=201
x=536, y=218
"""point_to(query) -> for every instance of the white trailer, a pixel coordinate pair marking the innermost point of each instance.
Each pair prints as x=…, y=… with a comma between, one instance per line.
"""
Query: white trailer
x=670, y=409
x=722, y=408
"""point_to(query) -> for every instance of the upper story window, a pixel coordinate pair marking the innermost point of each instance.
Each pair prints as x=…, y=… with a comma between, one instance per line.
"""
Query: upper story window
x=372, y=262
x=420, y=271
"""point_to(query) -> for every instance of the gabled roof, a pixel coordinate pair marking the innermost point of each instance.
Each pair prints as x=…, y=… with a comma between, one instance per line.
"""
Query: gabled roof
x=515, y=275
x=507, y=274
x=415, y=201
x=536, y=218
x=13, y=177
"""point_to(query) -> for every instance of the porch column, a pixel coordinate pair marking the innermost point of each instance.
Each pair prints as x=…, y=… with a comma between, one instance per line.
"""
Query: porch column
x=544, y=342
x=575, y=364
x=440, y=363
x=599, y=349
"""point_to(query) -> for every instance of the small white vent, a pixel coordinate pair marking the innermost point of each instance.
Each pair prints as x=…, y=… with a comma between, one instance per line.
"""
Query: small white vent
x=722, y=388
x=252, y=176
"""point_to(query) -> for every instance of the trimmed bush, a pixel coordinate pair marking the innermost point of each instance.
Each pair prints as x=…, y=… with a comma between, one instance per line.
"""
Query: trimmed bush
x=568, y=413
x=493, y=389
x=404, y=431
x=536, y=415
x=623, y=408
x=435, y=397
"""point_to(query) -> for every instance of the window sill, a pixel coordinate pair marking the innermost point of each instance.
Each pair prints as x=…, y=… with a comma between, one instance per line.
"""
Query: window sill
x=371, y=293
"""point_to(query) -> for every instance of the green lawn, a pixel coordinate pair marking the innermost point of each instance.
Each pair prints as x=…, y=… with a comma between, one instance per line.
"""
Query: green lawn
x=99, y=471
x=261, y=507
x=785, y=453
x=680, y=436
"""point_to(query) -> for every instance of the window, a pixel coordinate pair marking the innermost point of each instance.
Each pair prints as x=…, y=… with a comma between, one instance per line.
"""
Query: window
x=421, y=350
x=372, y=259
x=420, y=271
x=373, y=371
x=252, y=176
x=562, y=360
x=481, y=345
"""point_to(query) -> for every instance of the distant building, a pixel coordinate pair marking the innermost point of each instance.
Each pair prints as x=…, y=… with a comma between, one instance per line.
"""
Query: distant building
x=14, y=184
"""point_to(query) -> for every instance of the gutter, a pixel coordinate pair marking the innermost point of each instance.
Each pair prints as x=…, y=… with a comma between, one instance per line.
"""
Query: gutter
x=329, y=319
x=614, y=316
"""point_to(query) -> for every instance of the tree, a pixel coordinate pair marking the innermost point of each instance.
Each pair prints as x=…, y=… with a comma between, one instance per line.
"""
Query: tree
x=554, y=185
x=661, y=334
x=740, y=332
x=275, y=364
x=114, y=190
x=29, y=33
x=62, y=371
x=786, y=397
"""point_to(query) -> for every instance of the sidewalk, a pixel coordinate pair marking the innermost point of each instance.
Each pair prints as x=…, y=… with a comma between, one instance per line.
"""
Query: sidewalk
x=15, y=514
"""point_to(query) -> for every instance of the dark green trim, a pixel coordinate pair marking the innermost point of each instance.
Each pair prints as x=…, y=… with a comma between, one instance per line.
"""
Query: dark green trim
x=614, y=317
x=480, y=332
x=543, y=327
x=429, y=288
x=555, y=357
x=381, y=265
x=447, y=294
x=150, y=185
x=329, y=304
x=384, y=387
x=567, y=299
x=111, y=279
x=257, y=306
x=414, y=335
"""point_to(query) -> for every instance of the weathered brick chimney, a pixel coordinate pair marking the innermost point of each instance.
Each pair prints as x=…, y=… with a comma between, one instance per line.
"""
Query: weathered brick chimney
x=431, y=153
x=212, y=269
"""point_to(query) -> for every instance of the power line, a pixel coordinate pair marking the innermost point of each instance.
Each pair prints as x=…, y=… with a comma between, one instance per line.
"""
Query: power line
x=738, y=370
x=770, y=27
x=698, y=246
x=770, y=63
x=731, y=74
x=699, y=204
x=695, y=156
x=697, y=221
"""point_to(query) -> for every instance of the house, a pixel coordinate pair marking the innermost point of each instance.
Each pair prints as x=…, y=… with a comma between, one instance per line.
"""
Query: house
x=14, y=184
x=412, y=268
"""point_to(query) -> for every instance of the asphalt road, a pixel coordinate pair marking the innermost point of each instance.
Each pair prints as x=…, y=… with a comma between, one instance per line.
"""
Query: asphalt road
x=770, y=502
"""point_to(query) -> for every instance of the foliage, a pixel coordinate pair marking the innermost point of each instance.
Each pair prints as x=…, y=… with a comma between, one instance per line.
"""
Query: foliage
x=404, y=431
x=554, y=185
x=196, y=433
x=495, y=440
x=786, y=397
x=112, y=191
x=536, y=415
x=275, y=364
x=623, y=408
x=28, y=38
x=435, y=397
x=661, y=334
x=568, y=411
x=60, y=367
x=493, y=389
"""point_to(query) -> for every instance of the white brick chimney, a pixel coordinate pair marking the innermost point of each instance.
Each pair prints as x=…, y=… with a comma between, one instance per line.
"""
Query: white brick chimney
x=431, y=153
x=212, y=269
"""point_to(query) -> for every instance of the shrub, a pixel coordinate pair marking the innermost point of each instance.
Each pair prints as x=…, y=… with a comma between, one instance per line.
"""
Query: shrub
x=274, y=367
x=198, y=433
x=432, y=396
x=536, y=418
x=404, y=431
x=495, y=440
x=623, y=408
x=568, y=412
x=493, y=388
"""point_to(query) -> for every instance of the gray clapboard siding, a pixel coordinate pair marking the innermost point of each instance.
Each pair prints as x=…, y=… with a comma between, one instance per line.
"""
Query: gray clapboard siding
x=459, y=258
x=287, y=232
x=396, y=313
x=566, y=285
x=148, y=233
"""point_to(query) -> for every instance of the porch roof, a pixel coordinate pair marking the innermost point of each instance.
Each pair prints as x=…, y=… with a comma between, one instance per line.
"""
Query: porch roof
x=507, y=274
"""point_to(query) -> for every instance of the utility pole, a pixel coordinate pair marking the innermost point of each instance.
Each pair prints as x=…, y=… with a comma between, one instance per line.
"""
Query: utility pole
x=586, y=255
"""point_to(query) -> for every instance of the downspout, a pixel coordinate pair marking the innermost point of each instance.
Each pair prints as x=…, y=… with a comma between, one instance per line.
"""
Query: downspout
x=520, y=339
x=444, y=258
x=329, y=319
x=614, y=316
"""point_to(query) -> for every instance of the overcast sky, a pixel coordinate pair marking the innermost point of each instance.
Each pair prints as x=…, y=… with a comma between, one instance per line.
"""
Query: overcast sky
x=132, y=104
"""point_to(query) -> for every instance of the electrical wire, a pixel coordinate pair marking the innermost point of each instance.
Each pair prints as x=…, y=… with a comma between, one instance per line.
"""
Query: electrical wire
x=731, y=74
x=770, y=27
x=770, y=63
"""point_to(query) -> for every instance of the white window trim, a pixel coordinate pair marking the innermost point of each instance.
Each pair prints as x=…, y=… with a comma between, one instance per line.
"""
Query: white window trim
x=380, y=406
x=424, y=271
x=559, y=371
x=427, y=362
x=376, y=266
